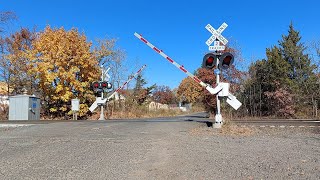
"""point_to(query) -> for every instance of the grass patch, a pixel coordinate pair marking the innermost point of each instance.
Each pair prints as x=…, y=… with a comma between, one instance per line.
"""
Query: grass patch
x=234, y=130
x=228, y=129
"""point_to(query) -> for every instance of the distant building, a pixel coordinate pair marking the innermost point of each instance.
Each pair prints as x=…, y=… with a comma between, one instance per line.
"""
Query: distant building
x=116, y=97
x=155, y=106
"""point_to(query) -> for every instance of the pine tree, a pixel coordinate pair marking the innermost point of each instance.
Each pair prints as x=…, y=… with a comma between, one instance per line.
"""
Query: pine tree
x=301, y=70
x=140, y=82
x=284, y=82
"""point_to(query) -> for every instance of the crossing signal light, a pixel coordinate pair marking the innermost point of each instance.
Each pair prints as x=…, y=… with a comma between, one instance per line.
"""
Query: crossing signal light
x=209, y=61
x=105, y=85
x=101, y=86
x=95, y=85
x=226, y=60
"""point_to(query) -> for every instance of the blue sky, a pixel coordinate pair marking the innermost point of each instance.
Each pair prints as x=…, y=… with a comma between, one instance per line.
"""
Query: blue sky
x=176, y=27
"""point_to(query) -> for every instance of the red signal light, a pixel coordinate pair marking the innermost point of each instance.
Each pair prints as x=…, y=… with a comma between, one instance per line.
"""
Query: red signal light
x=104, y=85
x=226, y=60
x=95, y=85
x=209, y=61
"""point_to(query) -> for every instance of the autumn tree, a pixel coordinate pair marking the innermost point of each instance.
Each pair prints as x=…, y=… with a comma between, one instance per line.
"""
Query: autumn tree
x=189, y=91
x=5, y=17
x=163, y=95
x=209, y=101
x=15, y=65
x=64, y=68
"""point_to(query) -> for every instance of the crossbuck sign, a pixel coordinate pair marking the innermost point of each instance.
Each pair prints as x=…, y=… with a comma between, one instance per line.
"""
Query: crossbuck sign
x=216, y=34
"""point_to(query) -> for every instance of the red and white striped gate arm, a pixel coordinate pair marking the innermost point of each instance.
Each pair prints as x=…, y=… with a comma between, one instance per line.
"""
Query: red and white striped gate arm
x=139, y=71
x=171, y=60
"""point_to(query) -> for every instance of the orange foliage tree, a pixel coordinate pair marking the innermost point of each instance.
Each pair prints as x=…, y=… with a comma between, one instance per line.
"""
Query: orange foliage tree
x=208, y=100
x=163, y=95
x=189, y=91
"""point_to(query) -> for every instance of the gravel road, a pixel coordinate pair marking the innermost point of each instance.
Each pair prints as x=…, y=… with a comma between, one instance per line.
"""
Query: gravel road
x=156, y=150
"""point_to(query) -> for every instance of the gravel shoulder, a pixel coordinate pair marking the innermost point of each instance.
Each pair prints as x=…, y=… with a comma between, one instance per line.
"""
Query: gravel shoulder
x=157, y=150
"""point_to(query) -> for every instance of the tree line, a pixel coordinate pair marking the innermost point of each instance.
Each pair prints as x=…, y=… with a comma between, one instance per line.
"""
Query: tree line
x=285, y=84
x=58, y=65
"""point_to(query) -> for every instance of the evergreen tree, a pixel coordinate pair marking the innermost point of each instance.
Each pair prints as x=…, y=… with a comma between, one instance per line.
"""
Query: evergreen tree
x=284, y=82
x=301, y=71
x=277, y=69
x=140, y=82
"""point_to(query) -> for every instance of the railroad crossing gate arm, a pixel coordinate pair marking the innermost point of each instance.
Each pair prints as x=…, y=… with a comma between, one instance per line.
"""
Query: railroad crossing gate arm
x=195, y=78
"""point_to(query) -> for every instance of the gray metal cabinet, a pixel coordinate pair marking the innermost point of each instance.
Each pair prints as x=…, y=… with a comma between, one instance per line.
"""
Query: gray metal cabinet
x=24, y=107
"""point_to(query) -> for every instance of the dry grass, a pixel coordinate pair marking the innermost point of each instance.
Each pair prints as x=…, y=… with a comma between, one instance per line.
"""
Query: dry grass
x=4, y=112
x=203, y=131
x=234, y=130
x=227, y=129
x=138, y=113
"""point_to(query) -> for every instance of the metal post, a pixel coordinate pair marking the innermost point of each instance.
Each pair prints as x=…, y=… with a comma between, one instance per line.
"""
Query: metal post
x=101, y=106
x=101, y=111
x=218, y=117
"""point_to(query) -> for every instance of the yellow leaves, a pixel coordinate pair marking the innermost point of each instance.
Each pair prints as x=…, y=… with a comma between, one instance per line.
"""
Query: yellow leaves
x=63, y=108
x=64, y=66
x=53, y=109
x=59, y=88
x=83, y=109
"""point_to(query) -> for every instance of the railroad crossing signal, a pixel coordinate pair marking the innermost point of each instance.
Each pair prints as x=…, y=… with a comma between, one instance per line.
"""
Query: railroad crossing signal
x=102, y=101
x=216, y=35
x=210, y=60
x=101, y=86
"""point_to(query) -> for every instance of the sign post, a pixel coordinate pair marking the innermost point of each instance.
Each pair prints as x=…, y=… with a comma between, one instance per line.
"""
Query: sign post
x=217, y=38
x=223, y=61
x=75, y=106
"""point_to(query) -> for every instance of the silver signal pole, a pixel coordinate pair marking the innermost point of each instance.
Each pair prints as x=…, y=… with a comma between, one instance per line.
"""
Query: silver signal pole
x=218, y=117
x=101, y=105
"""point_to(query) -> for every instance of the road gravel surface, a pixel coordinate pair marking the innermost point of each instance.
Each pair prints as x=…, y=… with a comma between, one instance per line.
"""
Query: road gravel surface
x=173, y=148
